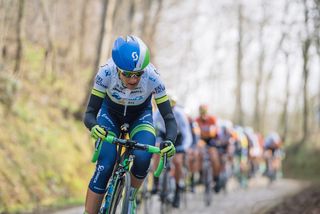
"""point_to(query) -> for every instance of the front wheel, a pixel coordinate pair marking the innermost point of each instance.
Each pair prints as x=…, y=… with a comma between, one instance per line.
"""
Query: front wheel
x=167, y=192
x=207, y=181
x=120, y=197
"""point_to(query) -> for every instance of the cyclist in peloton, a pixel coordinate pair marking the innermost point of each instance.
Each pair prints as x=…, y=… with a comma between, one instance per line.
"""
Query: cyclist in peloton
x=183, y=142
x=272, y=147
x=225, y=147
x=208, y=132
x=122, y=93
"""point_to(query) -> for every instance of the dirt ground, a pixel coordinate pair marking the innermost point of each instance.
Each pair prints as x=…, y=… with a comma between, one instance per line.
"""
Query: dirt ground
x=306, y=201
x=257, y=199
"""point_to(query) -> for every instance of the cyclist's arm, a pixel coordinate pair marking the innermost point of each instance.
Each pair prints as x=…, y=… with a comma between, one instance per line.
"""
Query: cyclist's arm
x=92, y=110
x=169, y=120
x=98, y=93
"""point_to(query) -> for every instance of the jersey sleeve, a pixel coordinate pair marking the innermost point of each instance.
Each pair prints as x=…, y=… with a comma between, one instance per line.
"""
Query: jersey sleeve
x=101, y=82
x=159, y=125
x=159, y=89
x=213, y=120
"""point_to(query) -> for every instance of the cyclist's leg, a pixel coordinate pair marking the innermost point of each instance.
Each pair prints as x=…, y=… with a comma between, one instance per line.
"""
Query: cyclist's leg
x=215, y=161
x=97, y=186
x=201, y=147
x=193, y=164
x=276, y=163
x=142, y=159
x=177, y=161
x=267, y=158
x=142, y=131
x=104, y=167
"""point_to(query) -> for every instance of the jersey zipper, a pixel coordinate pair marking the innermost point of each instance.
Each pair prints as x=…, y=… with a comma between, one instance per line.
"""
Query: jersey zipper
x=128, y=91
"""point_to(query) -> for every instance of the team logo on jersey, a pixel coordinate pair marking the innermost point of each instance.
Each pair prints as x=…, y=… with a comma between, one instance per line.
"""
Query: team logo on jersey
x=155, y=70
x=99, y=81
x=152, y=79
x=136, y=98
x=107, y=73
x=116, y=95
x=135, y=56
x=100, y=168
x=160, y=89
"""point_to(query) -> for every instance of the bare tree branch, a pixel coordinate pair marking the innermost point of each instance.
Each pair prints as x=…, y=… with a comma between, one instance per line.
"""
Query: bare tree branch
x=18, y=39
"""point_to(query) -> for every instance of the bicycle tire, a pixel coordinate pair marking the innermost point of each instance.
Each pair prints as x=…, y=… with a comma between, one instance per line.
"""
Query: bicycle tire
x=145, y=196
x=121, y=190
x=184, y=188
x=207, y=176
x=165, y=202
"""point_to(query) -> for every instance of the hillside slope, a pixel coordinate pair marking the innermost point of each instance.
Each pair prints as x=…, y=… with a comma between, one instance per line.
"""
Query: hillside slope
x=45, y=153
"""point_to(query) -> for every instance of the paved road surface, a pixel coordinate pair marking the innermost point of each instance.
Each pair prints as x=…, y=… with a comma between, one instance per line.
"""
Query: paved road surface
x=257, y=198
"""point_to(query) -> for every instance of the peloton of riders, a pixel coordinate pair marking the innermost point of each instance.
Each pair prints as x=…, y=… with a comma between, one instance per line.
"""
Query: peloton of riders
x=234, y=150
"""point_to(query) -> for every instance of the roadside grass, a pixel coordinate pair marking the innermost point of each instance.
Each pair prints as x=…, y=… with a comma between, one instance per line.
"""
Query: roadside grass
x=303, y=164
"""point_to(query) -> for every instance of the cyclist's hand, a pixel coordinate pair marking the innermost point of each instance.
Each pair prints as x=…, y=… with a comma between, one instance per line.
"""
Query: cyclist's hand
x=98, y=132
x=167, y=147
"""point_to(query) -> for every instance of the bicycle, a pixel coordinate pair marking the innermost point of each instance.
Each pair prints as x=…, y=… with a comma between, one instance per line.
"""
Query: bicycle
x=119, y=184
x=207, y=173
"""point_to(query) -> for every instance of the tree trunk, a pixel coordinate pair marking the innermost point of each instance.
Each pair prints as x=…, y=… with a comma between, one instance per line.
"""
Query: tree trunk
x=146, y=17
x=7, y=9
x=154, y=24
x=317, y=41
x=305, y=50
x=268, y=79
x=82, y=30
x=238, y=107
x=284, y=116
x=132, y=11
x=305, y=53
x=78, y=115
x=112, y=11
x=18, y=31
x=257, y=111
x=49, y=51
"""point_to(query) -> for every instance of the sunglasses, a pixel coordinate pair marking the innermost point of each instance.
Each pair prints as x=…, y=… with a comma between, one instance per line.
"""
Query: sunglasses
x=130, y=74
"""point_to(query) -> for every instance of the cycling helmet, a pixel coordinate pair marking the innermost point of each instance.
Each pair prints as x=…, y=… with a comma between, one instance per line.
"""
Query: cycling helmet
x=130, y=54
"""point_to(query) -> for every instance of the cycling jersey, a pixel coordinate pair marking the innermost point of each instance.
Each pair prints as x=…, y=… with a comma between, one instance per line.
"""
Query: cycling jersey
x=109, y=89
x=207, y=127
x=108, y=83
x=184, y=138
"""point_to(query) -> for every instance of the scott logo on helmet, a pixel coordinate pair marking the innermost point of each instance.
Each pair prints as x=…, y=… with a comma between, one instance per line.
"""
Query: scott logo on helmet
x=135, y=56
